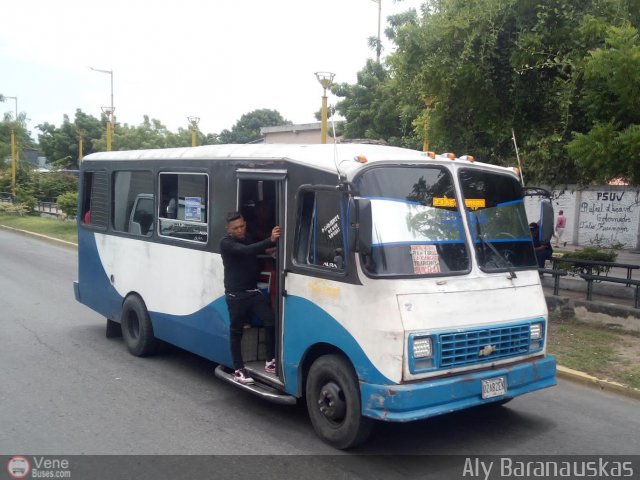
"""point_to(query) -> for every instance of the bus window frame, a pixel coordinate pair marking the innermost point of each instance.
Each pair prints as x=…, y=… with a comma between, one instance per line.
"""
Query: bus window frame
x=112, y=179
x=318, y=270
x=208, y=205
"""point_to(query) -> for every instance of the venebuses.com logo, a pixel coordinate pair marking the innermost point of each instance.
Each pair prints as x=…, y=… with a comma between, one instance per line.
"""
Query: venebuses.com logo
x=18, y=467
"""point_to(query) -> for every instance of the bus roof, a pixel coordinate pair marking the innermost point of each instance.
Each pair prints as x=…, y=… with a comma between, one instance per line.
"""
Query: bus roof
x=349, y=157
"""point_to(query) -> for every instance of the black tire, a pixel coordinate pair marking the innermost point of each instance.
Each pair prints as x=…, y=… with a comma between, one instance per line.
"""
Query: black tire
x=333, y=403
x=137, y=330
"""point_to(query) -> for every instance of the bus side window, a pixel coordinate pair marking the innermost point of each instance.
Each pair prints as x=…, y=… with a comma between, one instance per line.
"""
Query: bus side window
x=320, y=231
x=132, y=190
x=94, y=207
x=183, y=206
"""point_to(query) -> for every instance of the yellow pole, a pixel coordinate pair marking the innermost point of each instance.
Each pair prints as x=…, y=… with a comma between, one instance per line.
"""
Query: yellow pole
x=14, y=162
x=80, y=149
x=194, y=141
x=325, y=79
x=108, y=134
x=323, y=125
x=425, y=143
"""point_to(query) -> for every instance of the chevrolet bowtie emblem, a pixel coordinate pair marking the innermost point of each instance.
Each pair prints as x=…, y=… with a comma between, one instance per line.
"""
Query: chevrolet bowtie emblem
x=487, y=350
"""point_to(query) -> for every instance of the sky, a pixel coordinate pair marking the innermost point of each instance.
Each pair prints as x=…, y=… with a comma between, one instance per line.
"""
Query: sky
x=212, y=59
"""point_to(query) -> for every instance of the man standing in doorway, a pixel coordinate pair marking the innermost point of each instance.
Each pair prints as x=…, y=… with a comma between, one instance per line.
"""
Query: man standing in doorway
x=241, y=271
x=561, y=222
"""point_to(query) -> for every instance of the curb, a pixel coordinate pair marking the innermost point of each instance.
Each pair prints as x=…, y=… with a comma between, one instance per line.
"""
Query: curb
x=594, y=382
x=42, y=237
x=562, y=372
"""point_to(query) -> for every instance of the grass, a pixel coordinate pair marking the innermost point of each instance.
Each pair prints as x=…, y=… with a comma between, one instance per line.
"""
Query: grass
x=597, y=350
x=61, y=229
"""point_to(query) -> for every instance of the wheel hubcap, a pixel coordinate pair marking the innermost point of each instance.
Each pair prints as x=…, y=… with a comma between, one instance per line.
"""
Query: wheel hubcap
x=331, y=402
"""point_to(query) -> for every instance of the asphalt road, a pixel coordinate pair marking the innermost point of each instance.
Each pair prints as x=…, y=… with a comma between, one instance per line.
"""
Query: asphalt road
x=65, y=389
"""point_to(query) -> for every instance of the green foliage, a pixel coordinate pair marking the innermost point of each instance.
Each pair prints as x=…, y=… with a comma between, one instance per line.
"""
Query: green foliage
x=68, y=203
x=589, y=253
x=49, y=185
x=465, y=73
x=247, y=129
x=22, y=138
x=373, y=110
x=611, y=101
x=14, y=209
x=61, y=144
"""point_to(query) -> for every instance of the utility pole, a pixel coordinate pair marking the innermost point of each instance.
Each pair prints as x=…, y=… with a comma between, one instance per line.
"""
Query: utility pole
x=193, y=126
x=325, y=79
x=109, y=111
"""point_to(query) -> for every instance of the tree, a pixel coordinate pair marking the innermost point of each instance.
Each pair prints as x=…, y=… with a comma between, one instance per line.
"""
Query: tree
x=68, y=203
x=611, y=100
x=247, y=129
x=372, y=109
x=465, y=73
x=61, y=144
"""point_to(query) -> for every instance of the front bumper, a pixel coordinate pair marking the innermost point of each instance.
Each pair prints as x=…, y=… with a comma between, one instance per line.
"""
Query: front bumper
x=414, y=401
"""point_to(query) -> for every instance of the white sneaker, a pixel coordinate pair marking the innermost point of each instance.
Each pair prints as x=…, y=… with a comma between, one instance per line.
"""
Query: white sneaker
x=270, y=366
x=241, y=376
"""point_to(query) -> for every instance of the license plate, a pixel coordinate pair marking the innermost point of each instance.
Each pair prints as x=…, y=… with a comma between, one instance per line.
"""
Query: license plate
x=494, y=387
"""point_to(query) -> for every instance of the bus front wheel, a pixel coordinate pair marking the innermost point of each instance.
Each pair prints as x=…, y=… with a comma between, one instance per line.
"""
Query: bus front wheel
x=137, y=330
x=333, y=402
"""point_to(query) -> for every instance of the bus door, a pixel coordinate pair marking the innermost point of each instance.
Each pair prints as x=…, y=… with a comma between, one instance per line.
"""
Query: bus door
x=261, y=198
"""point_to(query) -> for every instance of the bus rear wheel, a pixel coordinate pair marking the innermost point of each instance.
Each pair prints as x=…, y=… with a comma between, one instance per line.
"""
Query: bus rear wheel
x=333, y=403
x=137, y=330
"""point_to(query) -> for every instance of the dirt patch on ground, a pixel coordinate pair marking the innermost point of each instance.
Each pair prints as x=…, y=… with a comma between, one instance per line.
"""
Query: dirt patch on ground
x=603, y=351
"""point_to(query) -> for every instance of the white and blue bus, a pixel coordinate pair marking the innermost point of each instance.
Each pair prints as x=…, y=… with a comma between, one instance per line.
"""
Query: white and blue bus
x=404, y=285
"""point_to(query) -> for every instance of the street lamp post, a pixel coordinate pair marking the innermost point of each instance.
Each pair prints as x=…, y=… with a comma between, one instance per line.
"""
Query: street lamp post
x=109, y=111
x=325, y=79
x=193, y=126
x=14, y=149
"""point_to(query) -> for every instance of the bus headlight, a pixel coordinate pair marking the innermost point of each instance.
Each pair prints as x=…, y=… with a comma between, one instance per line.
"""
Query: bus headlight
x=422, y=347
x=535, y=331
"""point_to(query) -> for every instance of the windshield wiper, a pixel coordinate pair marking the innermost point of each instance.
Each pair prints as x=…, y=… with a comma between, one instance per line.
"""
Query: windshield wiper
x=506, y=263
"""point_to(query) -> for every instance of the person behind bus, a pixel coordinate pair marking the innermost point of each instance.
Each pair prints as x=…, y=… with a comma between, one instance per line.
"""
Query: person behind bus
x=241, y=271
x=561, y=223
x=543, y=249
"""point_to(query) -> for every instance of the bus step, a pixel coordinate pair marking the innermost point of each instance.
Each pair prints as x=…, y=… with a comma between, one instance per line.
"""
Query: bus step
x=260, y=389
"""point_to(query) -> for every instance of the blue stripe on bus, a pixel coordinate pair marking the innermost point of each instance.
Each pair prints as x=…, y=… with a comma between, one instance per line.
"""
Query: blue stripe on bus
x=205, y=332
x=306, y=324
x=504, y=240
x=94, y=288
x=399, y=200
x=511, y=202
x=422, y=242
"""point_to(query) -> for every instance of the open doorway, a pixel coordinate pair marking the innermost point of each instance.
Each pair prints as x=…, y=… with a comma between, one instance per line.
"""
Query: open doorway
x=259, y=203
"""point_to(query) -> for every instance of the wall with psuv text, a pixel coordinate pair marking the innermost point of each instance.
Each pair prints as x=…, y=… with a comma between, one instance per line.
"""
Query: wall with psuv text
x=605, y=216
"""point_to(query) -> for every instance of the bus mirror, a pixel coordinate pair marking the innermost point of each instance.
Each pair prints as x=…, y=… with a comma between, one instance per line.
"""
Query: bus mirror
x=365, y=226
x=546, y=221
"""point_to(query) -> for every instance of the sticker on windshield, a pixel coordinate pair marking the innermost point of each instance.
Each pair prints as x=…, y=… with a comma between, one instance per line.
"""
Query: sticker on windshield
x=471, y=203
x=444, y=202
x=425, y=259
x=475, y=203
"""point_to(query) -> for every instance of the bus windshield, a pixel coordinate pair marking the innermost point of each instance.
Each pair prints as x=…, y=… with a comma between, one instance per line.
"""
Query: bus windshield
x=497, y=220
x=417, y=227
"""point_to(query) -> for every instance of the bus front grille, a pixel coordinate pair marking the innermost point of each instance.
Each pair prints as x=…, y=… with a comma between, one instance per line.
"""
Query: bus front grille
x=483, y=345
